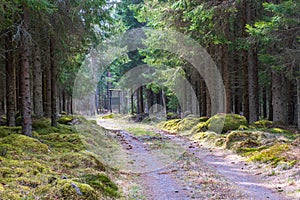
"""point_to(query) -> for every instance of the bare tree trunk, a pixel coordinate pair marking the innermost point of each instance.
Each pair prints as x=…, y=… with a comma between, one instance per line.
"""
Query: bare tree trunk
x=277, y=98
x=25, y=78
x=253, y=86
x=203, y=90
x=53, y=83
x=10, y=82
x=298, y=102
x=245, y=86
x=47, y=80
x=37, y=83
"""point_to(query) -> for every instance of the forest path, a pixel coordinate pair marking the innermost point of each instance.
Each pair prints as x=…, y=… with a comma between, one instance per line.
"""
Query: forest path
x=192, y=172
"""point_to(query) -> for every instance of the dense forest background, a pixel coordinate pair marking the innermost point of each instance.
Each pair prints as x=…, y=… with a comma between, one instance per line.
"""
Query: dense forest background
x=255, y=45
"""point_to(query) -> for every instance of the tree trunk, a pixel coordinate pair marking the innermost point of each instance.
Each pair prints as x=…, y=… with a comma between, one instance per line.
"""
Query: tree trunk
x=298, y=102
x=203, y=110
x=265, y=100
x=10, y=82
x=53, y=83
x=37, y=83
x=253, y=86
x=245, y=86
x=277, y=98
x=25, y=78
x=47, y=81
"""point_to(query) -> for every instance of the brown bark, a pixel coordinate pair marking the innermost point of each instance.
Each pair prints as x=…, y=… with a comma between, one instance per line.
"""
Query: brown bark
x=277, y=98
x=47, y=80
x=25, y=78
x=245, y=86
x=37, y=83
x=53, y=83
x=226, y=78
x=10, y=82
x=298, y=102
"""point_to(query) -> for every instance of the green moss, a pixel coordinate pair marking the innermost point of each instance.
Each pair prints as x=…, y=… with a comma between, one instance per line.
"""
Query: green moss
x=103, y=183
x=141, y=132
x=170, y=125
x=7, y=130
x=65, y=120
x=243, y=128
x=63, y=142
x=109, y=116
x=263, y=124
x=207, y=136
x=240, y=139
x=17, y=144
x=203, y=119
x=272, y=155
x=172, y=115
x=278, y=130
x=200, y=127
x=187, y=123
x=38, y=124
x=225, y=122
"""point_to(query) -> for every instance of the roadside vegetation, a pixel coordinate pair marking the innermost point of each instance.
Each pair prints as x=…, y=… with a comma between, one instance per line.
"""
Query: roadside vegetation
x=53, y=164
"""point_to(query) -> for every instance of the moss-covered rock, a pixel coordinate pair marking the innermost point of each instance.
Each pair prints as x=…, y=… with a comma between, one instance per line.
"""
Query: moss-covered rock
x=263, y=124
x=65, y=120
x=225, y=122
x=200, y=127
x=187, y=123
x=170, y=125
x=244, y=139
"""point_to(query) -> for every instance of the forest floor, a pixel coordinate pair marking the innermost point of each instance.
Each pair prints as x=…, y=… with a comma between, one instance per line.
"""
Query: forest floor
x=160, y=165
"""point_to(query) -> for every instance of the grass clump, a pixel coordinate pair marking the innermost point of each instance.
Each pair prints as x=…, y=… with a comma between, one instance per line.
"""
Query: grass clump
x=141, y=132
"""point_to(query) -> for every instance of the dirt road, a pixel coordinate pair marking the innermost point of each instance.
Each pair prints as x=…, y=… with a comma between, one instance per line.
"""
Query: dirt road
x=171, y=167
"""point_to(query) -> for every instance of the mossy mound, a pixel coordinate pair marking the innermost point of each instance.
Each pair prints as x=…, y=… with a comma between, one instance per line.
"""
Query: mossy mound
x=103, y=183
x=63, y=142
x=38, y=124
x=263, y=124
x=65, y=120
x=225, y=122
x=17, y=145
x=187, y=123
x=272, y=155
x=208, y=136
x=68, y=189
x=245, y=139
x=200, y=127
x=171, y=125
x=52, y=165
x=7, y=130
